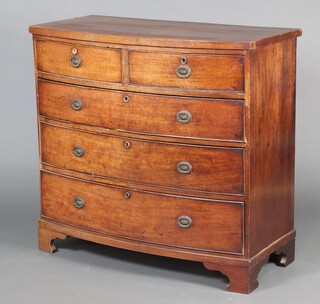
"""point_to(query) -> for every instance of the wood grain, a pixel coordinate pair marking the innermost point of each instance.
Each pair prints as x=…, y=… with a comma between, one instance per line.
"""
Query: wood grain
x=214, y=169
x=146, y=217
x=46, y=239
x=220, y=258
x=285, y=254
x=164, y=33
x=142, y=113
x=208, y=72
x=97, y=63
x=135, y=135
x=184, y=92
x=241, y=279
x=272, y=130
x=240, y=140
x=104, y=180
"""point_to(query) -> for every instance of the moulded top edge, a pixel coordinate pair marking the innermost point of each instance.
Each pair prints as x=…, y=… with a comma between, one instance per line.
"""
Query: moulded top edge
x=149, y=32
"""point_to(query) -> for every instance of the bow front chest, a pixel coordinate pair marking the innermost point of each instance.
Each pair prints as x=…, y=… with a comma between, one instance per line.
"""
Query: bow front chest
x=169, y=138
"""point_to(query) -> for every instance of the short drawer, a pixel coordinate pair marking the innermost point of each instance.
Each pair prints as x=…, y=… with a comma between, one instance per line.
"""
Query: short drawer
x=191, y=167
x=163, y=219
x=142, y=113
x=95, y=63
x=188, y=71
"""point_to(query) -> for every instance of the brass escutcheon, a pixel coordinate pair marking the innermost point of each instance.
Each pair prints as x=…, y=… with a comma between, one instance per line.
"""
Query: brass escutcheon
x=127, y=194
x=127, y=144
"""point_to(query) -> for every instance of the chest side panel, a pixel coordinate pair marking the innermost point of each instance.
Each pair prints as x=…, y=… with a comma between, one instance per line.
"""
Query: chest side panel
x=272, y=143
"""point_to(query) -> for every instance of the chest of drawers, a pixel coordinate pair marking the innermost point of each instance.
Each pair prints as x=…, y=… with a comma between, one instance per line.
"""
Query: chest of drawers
x=169, y=138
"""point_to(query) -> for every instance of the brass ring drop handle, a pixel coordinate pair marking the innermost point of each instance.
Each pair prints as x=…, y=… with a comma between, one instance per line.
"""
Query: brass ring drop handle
x=78, y=151
x=75, y=61
x=184, y=116
x=76, y=104
x=184, y=167
x=184, y=221
x=78, y=202
x=183, y=71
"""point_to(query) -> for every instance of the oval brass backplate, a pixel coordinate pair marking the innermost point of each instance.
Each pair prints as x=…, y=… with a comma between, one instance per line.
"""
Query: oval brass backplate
x=183, y=71
x=184, y=116
x=78, y=151
x=76, y=104
x=75, y=61
x=184, y=221
x=78, y=202
x=184, y=167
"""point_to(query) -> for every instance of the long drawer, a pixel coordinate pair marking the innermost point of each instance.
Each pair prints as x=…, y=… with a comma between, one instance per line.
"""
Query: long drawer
x=188, y=71
x=143, y=113
x=197, y=168
x=175, y=221
x=69, y=59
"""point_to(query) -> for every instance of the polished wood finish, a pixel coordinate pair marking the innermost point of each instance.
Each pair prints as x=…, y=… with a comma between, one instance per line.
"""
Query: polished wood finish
x=273, y=122
x=147, y=187
x=236, y=202
x=213, y=169
x=46, y=239
x=241, y=279
x=144, y=113
x=147, y=136
x=284, y=255
x=208, y=72
x=96, y=63
x=164, y=33
x=127, y=87
x=144, y=216
x=159, y=249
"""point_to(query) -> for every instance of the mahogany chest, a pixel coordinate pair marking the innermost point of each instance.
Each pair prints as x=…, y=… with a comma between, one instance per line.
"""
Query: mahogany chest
x=169, y=138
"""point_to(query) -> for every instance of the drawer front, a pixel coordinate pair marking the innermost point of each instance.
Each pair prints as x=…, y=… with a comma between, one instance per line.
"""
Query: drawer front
x=94, y=62
x=183, y=117
x=163, y=219
x=177, y=166
x=200, y=72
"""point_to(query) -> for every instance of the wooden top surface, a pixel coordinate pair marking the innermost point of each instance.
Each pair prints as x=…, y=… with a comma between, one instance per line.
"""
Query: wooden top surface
x=163, y=33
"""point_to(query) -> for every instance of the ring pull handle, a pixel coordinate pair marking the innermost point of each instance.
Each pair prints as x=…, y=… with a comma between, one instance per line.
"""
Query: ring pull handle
x=76, y=104
x=183, y=71
x=184, y=221
x=78, y=202
x=184, y=117
x=75, y=61
x=184, y=167
x=78, y=151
